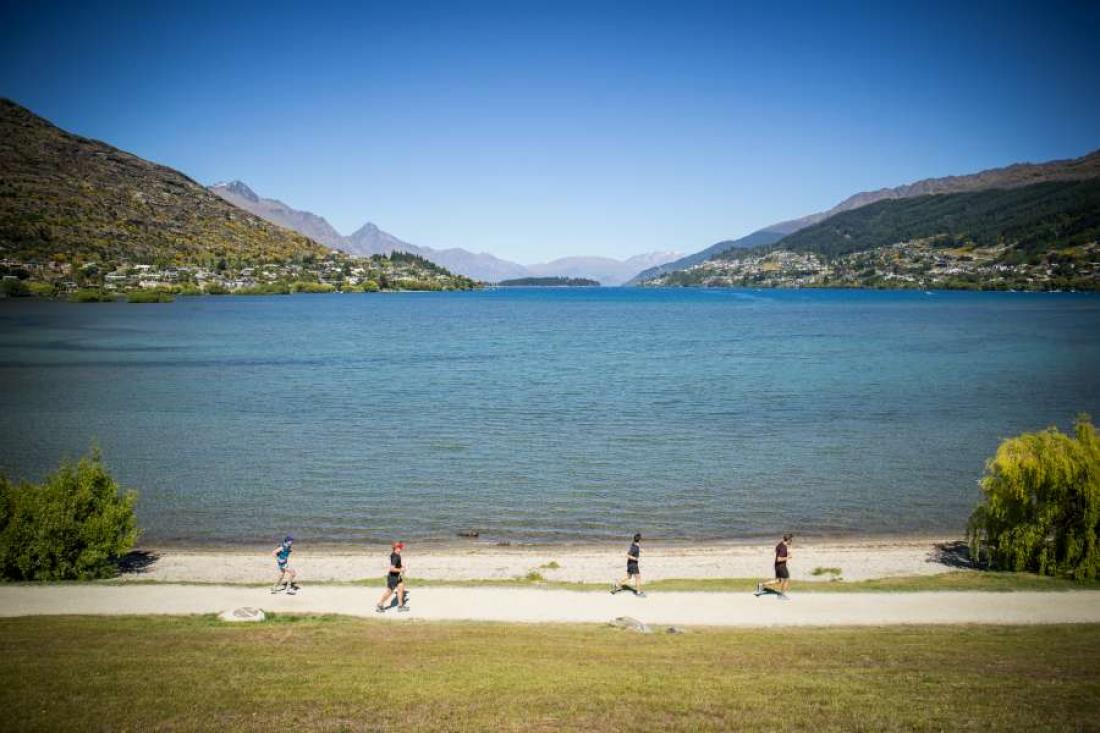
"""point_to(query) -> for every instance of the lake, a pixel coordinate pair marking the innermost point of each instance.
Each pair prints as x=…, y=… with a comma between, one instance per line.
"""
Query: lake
x=544, y=415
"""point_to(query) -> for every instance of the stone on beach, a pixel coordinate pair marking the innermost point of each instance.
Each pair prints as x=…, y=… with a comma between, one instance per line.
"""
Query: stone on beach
x=243, y=614
x=629, y=623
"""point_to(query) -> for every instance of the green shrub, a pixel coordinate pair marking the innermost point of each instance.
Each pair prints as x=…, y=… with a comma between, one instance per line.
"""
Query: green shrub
x=74, y=526
x=215, y=289
x=11, y=287
x=312, y=287
x=263, y=289
x=41, y=289
x=1041, y=504
x=371, y=286
x=819, y=571
x=151, y=295
x=91, y=295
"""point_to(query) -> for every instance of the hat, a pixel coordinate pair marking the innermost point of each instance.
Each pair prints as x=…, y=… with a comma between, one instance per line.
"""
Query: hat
x=399, y=545
x=289, y=538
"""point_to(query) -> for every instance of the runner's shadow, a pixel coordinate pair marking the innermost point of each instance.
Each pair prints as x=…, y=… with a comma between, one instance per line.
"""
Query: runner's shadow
x=393, y=602
x=137, y=561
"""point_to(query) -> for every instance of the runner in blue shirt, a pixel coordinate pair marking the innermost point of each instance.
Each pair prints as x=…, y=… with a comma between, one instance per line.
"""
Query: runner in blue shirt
x=632, y=571
x=287, y=574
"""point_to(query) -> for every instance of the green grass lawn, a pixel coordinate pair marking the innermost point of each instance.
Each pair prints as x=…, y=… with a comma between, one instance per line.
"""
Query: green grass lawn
x=328, y=673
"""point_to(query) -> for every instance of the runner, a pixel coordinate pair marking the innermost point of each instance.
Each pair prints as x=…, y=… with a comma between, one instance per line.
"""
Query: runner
x=395, y=580
x=632, y=571
x=782, y=574
x=286, y=573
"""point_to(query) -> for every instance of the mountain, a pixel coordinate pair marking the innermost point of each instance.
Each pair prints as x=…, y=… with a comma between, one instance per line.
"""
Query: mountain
x=304, y=222
x=370, y=240
x=1041, y=236
x=72, y=197
x=1012, y=176
x=488, y=267
x=1032, y=219
x=757, y=238
x=606, y=270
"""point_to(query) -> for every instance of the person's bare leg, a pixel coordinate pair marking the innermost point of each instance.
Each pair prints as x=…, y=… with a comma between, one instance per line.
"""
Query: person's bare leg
x=638, y=583
x=279, y=580
x=385, y=597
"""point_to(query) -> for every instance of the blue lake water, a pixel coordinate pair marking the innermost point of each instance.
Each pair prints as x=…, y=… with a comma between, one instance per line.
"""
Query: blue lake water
x=544, y=415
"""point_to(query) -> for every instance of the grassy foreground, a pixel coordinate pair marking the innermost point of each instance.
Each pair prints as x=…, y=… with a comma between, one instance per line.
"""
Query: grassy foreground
x=333, y=674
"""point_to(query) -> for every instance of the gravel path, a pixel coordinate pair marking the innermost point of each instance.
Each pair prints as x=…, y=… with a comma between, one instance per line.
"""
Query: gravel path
x=534, y=606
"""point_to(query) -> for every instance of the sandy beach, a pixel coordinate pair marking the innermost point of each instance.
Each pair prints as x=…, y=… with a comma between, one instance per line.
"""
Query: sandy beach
x=856, y=559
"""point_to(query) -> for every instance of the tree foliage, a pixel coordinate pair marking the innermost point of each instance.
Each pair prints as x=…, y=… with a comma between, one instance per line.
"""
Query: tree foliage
x=1041, y=504
x=73, y=526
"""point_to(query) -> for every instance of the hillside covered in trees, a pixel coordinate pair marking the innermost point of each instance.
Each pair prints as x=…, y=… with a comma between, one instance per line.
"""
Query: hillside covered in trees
x=78, y=215
x=1045, y=236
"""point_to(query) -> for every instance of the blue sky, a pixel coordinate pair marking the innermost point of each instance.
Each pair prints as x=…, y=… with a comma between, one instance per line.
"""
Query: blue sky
x=537, y=130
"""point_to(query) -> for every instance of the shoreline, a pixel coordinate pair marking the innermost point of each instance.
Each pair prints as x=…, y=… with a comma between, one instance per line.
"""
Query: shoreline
x=463, y=544
x=856, y=559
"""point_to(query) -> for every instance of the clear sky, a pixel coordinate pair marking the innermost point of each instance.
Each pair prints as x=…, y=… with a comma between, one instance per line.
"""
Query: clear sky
x=537, y=130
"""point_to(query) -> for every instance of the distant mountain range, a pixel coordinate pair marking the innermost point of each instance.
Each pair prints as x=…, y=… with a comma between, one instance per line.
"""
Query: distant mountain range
x=70, y=197
x=1013, y=176
x=369, y=240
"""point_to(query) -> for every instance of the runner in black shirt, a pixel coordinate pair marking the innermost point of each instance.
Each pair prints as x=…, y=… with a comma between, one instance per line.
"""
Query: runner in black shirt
x=782, y=574
x=632, y=571
x=395, y=580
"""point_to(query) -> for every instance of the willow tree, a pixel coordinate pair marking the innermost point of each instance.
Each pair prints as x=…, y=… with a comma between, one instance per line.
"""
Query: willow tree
x=1040, y=509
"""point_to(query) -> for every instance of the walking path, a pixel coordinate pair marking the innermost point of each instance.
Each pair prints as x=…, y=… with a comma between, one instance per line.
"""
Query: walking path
x=534, y=606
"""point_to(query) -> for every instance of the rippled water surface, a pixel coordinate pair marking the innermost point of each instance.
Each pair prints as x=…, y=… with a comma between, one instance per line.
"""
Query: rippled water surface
x=544, y=415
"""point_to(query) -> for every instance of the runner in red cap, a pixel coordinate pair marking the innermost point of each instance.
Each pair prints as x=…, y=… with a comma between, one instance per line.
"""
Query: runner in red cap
x=395, y=580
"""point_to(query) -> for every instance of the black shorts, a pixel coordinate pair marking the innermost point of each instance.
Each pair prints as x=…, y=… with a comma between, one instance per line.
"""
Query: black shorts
x=632, y=568
x=392, y=581
x=781, y=571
